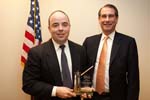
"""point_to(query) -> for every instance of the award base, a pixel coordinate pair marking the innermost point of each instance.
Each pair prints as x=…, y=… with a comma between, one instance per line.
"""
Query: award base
x=86, y=90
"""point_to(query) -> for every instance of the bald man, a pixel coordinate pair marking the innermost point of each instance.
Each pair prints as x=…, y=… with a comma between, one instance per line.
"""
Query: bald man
x=43, y=76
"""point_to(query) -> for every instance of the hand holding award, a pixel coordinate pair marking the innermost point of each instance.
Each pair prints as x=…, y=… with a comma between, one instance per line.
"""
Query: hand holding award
x=86, y=83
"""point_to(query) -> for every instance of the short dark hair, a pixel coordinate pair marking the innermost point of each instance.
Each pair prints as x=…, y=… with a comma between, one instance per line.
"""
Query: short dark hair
x=55, y=12
x=109, y=6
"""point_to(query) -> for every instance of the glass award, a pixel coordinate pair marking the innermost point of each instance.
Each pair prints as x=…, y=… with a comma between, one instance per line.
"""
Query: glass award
x=82, y=83
x=86, y=83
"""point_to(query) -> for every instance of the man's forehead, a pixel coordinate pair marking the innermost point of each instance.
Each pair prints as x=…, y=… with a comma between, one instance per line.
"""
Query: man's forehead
x=107, y=10
x=59, y=16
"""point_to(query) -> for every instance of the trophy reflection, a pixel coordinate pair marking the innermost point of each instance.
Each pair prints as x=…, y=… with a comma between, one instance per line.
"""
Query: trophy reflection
x=77, y=87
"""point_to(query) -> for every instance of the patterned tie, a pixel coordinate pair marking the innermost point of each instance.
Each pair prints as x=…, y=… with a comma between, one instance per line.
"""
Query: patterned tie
x=101, y=69
x=65, y=69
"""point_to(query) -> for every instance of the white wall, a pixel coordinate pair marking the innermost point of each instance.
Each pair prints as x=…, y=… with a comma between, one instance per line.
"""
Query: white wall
x=134, y=21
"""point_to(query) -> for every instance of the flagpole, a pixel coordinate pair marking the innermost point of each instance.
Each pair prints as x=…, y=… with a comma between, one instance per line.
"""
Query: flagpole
x=32, y=97
x=34, y=17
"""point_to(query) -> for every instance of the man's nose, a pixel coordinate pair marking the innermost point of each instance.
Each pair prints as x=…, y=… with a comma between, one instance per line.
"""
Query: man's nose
x=60, y=27
x=107, y=18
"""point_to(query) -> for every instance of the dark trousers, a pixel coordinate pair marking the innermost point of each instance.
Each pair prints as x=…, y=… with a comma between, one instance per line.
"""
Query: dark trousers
x=103, y=96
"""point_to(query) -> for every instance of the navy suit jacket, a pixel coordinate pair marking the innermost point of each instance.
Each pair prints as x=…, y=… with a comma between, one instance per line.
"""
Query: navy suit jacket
x=42, y=70
x=124, y=68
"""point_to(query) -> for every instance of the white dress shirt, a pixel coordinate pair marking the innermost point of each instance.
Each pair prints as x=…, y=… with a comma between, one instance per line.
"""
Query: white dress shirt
x=68, y=55
x=109, y=45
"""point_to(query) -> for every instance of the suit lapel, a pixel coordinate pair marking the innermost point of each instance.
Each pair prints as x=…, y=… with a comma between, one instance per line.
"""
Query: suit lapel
x=95, y=47
x=115, y=47
x=74, y=57
x=53, y=63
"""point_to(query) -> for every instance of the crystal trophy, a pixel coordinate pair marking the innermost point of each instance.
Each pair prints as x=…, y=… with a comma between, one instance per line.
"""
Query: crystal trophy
x=86, y=83
x=82, y=82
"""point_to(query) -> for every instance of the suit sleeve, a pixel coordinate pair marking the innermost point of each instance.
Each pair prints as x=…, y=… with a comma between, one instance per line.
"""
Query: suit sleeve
x=32, y=83
x=133, y=72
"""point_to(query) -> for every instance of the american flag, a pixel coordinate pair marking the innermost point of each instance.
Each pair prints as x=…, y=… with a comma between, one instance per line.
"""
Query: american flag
x=33, y=31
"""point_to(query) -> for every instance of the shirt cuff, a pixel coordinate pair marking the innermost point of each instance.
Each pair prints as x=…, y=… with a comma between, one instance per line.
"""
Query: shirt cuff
x=54, y=91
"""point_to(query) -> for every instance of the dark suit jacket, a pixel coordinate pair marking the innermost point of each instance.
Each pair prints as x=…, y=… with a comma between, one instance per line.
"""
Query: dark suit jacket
x=124, y=70
x=42, y=70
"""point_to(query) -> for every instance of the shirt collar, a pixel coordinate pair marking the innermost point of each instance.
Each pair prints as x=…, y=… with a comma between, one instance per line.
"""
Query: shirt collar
x=56, y=45
x=111, y=36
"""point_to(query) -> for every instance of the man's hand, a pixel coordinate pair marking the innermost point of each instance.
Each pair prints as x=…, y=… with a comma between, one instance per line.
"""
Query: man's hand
x=64, y=92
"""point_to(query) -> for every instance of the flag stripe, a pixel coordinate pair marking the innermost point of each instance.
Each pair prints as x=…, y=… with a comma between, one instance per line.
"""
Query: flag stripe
x=29, y=36
x=24, y=54
x=26, y=48
x=23, y=59
x=29, y=43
